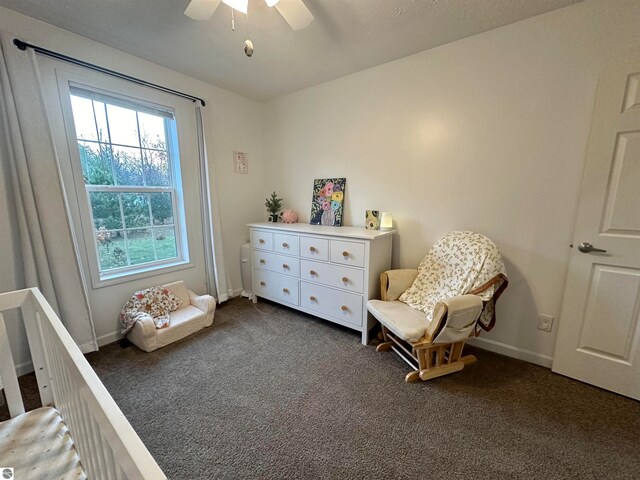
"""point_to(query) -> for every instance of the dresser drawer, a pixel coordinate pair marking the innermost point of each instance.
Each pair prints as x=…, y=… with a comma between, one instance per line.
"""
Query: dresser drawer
x=333, y=275
x=273, y=285
x=276, y=263
x=343, y=306
x=347, y=253
x=262, y=240
x=314, y=248
x=287, y=244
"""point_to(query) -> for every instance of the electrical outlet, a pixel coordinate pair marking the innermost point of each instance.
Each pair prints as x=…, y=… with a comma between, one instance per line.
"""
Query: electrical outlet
x=545, y=322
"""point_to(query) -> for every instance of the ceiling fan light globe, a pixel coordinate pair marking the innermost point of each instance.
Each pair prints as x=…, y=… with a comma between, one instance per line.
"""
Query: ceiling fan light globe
x=248, y=48
x=271, y=3
x=239, y=5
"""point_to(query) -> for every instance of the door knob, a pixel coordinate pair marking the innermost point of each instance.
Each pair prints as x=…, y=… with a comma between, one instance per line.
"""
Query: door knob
x=586, y=247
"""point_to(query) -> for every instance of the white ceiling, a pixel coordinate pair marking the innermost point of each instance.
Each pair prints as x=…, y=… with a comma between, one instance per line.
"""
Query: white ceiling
x=346, y=35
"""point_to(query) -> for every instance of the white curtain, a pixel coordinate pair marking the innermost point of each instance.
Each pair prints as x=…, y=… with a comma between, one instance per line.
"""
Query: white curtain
x=45, y=245
x=216, y=270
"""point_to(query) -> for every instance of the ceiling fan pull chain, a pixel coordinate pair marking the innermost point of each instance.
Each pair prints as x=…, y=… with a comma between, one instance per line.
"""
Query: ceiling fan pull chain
x=233, y=21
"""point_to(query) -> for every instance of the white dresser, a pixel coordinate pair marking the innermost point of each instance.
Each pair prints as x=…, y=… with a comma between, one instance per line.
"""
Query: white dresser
x=329, y=272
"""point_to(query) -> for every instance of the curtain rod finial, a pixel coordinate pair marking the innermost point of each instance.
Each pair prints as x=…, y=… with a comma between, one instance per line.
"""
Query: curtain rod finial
x=20, y=44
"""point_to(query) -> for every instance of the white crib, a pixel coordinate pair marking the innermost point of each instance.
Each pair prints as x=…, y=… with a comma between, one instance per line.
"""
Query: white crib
x=91, y=423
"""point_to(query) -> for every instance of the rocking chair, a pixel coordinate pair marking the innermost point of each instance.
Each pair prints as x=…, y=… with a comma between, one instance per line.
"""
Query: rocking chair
x=428, y=314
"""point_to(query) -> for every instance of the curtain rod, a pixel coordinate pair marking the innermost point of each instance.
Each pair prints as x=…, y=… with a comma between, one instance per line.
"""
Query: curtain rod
x=49, y=53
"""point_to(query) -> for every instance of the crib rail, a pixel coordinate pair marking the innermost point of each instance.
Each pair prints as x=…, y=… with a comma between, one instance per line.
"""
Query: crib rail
x=107, y=445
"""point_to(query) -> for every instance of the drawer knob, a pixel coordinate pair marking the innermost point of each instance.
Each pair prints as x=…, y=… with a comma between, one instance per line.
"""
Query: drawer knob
x=313, y=249
x=344, y=308
x=313, y=299
x=345, y=254
x=285, y=245
x=263, y=284
x=345, y=280
x=285, y=266
x=313, y=273
x=261, y=240
x=262, y=261
x=285, y=290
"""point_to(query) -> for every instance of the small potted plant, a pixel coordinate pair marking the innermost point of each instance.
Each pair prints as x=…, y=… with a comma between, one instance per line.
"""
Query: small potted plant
x=274, y=205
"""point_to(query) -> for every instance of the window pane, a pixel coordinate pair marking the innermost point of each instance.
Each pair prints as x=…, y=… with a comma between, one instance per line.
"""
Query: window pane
x=123, y=147
x=156, y=166
x=140, y=246
x=83, y=118
x=96, y=163
x=111, y=249
x=101, y=121
x=123, y=126
x=106, y=210
x=165, y=242
x=127, y=165
x=152, y=131
x=136, y=210
x=162, y=208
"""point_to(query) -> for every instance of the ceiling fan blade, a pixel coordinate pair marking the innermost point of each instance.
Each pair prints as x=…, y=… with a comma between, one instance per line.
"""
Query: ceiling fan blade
x=295, y=13
x=201, y=9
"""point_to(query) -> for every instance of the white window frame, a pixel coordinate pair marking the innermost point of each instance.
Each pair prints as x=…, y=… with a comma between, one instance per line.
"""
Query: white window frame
x=130, y=272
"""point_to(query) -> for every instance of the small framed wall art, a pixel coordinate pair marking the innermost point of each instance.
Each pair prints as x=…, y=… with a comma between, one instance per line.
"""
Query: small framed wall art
x=327, y=204
x=372, y=220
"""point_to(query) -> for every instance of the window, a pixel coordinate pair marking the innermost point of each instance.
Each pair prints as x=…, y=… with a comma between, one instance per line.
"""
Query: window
x=130, y=166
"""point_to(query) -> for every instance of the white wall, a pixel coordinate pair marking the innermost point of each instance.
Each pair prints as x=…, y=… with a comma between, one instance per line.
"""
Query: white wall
x=487, y=133
x=234, y=123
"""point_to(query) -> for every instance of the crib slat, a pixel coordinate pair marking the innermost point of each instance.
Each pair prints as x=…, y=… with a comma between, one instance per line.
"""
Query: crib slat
x=32, y=325
x=98, y=450
x=8, y=374
x=91, y=451
x=112, y=467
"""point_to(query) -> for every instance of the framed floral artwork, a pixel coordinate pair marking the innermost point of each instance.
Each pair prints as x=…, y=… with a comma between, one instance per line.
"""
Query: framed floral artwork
x=372, y=220
x=328, y=201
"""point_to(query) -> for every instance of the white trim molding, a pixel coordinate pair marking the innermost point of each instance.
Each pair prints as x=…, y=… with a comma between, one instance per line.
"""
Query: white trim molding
x=511, y=351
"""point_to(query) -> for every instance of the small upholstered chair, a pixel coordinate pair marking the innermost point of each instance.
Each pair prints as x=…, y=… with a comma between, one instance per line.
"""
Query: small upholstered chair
x=429, y=313
x=195, y=313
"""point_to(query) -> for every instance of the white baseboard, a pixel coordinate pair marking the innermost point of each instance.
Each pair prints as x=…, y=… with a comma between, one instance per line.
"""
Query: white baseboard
x=24, y=368
x=237, y=292
x=511, y=351
x=109, y=338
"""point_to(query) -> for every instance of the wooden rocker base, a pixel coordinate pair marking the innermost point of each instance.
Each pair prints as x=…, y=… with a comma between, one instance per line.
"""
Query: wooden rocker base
x=429, y=361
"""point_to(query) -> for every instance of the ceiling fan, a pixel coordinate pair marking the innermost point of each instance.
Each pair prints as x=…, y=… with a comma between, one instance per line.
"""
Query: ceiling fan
x=296, y=14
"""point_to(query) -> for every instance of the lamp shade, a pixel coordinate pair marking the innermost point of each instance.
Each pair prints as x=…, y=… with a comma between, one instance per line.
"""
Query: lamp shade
x=386, y=221
x=239, y=5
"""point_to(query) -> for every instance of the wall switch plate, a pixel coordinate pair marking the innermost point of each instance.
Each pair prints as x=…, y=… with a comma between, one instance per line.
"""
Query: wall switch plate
x=545, y=322
x=240, y=163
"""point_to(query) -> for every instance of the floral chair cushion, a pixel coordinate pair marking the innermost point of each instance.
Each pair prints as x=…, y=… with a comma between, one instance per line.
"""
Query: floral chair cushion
x=459, y=263
x=154, y=302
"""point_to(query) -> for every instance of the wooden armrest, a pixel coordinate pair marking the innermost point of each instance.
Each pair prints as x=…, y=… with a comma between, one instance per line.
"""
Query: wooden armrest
x=393, y=283
x=470, y=304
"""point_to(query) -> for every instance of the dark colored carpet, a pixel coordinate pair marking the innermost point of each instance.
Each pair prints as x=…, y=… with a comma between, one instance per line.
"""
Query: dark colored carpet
x=268, y=392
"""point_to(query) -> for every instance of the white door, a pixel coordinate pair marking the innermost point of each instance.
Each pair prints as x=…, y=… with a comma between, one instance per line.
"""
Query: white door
x=598, y=338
